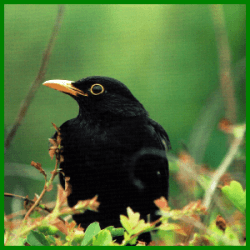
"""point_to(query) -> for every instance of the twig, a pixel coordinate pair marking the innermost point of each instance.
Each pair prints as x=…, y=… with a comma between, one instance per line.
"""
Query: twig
x=46, y=186
x=222, y=168
x=27, y=199
x=226, y=80
x=37, y=82
x=35, y=204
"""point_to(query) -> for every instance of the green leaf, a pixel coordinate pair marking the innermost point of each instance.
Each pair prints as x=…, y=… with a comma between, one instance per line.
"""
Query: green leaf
x=48, y=229
x=125, y=223
x=133, y=216
x=115, y=231
x=103, y=238
x=128, y=240
x=37, y=239
x=51, y=239
x=132, y=223
x=236, y=195
x=92, y=230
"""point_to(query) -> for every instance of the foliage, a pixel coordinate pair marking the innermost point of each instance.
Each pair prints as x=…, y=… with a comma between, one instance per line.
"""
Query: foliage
x=192, y=225
x=48, y=230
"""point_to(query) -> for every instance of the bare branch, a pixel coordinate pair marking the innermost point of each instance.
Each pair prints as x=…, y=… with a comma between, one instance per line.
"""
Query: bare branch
x=46, y=186
x=27, y=199
x=38, y=80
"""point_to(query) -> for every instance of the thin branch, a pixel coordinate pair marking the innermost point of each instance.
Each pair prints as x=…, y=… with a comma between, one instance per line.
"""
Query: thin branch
x=46, y=186
x=223, y=167
x=27, y=199
x=223, y=47
x=38, y=80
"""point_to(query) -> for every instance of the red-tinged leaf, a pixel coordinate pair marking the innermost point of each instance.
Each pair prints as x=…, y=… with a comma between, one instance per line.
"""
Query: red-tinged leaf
x=52, y=152
x=61, y=158
x=82, y=205
x=53, y=142
x=70, y=226
x=225, y=125
x=94, y=204
x=56, y=128
x=60, y=225
x=61, y=195
x=221, y=223
x=68, y=187
x=162, y=204
x=38, y=166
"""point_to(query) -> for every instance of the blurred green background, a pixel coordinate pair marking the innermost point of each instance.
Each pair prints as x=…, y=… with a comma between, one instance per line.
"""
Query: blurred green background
x=166, y=55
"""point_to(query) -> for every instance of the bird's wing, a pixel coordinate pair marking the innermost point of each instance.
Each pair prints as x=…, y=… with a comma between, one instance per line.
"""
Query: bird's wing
x=149, y=169
x=161, y=134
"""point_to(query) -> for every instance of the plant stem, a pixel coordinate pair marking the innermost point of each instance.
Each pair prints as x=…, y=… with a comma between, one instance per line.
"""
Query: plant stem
x=222, y=168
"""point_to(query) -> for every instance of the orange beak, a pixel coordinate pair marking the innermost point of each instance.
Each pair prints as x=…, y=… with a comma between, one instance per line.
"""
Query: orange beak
x=64, y=86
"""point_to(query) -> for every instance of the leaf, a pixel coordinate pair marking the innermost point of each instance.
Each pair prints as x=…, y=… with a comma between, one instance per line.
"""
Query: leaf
x=133, y=216
x=221, y=223
x=235, y=193
x=115, y=231
x=125, y=223
x=37, y=239
x=55, y=127
x=162, y=204
x=91, y=204
x=68, y=187
x=103, y=238
x=92, y=230
x=60, y=226
x=132, y=223
x=38, y=166
x=61, y=195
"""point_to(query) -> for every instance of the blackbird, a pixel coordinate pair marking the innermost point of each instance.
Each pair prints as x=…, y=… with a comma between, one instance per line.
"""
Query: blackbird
x=112, y=149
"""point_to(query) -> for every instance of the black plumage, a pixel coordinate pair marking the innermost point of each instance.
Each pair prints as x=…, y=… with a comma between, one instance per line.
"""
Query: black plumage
x=112, y=149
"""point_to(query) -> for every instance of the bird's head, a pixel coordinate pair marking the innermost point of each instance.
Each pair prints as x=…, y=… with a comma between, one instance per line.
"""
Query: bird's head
x=100, y=96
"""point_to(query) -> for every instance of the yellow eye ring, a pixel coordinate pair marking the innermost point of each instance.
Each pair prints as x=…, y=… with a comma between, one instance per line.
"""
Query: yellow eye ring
x=96, y=89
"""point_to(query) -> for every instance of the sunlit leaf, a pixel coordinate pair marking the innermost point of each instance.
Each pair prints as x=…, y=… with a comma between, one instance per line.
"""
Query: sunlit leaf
x=92, y=230
x=103, y=238
x=235, y=193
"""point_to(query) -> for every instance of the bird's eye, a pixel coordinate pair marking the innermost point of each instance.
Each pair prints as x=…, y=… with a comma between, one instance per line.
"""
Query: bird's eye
x=96, y=89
